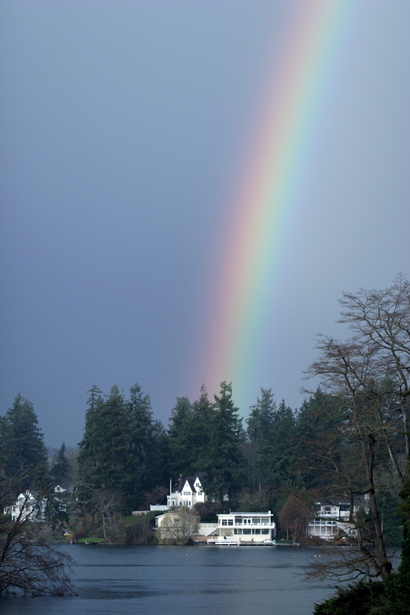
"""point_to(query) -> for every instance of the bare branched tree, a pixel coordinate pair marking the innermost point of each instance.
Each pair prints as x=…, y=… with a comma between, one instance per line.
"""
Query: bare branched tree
x=103, y=504
x=381, y=318
x=29, y=564
x=294, y=516
x=178, y=526
x=369, y=374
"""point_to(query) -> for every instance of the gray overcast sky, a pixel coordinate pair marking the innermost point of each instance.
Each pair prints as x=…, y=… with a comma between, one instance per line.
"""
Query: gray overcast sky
x=123, y=124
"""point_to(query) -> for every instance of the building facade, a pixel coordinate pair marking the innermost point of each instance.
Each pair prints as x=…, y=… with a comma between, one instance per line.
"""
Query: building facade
x=27, y=507
x=334, y=518
x=30, y=507
x=244, y=528
x=189, y=493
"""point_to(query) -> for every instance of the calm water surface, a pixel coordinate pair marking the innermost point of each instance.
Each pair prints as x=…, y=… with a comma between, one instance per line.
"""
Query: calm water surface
x=152, y=580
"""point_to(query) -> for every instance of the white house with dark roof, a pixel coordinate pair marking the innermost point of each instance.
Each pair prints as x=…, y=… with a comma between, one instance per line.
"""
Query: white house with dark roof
x=190, y=492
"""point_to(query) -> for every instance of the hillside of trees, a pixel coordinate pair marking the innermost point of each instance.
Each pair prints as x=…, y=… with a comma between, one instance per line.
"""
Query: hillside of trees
x=349, y=438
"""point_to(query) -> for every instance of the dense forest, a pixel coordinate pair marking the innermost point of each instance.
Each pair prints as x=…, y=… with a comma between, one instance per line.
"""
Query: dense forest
x=349, y=438
x=277, y=459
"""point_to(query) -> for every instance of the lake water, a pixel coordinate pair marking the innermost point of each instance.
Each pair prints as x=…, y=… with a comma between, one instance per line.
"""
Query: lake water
x=124, y=580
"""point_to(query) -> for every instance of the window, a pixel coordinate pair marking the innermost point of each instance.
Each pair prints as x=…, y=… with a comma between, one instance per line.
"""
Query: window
x=247, y=531
x=265, y=531
x=230, y=521
x=224, y=522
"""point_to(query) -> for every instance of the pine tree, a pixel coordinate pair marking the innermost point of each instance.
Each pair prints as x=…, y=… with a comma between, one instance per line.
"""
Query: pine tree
x=180, y=433
x=261, y=417
x=259, y=429
x=123, y=453
x=397, y=598
x=104, y=450
x=318, y=440
x=148, y=453
x=203, y=416
x=279, y=450
x=61, y=467
x=225, y=461
x=23, y=442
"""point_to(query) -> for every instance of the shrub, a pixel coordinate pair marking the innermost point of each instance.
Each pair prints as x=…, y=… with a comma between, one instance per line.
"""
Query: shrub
x=355, y=600
x=140, y=532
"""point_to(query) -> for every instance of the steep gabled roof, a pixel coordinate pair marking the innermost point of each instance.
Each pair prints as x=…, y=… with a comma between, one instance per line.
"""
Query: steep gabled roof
x=192, y=479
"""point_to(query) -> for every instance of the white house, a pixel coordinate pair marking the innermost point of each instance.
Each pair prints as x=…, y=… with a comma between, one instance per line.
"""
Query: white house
x=189, y=493
x=177, y=525
x=59, y=489
x=332, y=518
x=244, y=528
x=27, y=506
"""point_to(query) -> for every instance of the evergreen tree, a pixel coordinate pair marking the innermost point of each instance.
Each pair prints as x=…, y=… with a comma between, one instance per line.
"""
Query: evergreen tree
x=261, y=417
x=140, y=431
x=123, y=453
x=279, y=451
x=87, y=446
x=61, y=467
x=3, y=445
x=259, y=429
x=225, y=462
x=203, y=417
x=403, y=585
x=180, y=433
x=148, y=459
x=318, y=440
x=23, y=442
x=103, y=456
x=158, y=461
x=397, y=597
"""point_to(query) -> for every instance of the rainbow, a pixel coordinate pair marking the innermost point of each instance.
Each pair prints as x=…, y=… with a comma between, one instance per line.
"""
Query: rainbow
x=261, y=209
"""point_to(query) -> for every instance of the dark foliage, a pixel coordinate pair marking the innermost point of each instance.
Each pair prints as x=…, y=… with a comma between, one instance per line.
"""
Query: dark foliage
x=355, y=600
x=22, y=444
x=60, y=469
x=140, y=532
x=122, y=454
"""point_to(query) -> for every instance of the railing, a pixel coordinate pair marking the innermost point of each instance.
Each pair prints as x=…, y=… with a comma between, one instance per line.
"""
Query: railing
x=249, y=525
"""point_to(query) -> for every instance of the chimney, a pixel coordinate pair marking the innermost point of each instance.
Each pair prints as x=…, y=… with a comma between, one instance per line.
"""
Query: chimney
x=180, y=482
